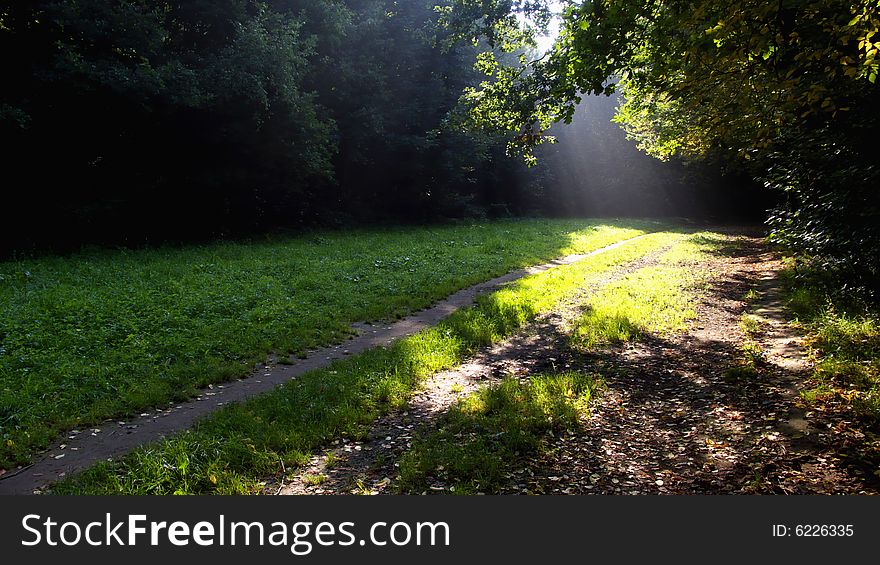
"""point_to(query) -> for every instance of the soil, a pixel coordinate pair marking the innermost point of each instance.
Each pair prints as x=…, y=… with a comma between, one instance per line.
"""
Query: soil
x=671, y=418
x=674, y=421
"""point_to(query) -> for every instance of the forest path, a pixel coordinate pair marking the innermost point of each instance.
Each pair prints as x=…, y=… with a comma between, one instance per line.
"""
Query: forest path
x=676, y=417
x=79, y=449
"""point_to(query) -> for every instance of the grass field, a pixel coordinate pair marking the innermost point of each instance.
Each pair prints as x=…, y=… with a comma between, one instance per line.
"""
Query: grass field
x=234, y=449
x=107, y=333
x=653, y=300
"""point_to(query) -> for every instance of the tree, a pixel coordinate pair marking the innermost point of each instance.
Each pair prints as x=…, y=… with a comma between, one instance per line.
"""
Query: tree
x=148, y=120
x=787, y=89
x=124, y=116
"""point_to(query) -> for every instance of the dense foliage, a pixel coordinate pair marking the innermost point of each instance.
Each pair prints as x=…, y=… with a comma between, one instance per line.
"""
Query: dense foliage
x=129, y=118
x=132, y=121
x=786, y=90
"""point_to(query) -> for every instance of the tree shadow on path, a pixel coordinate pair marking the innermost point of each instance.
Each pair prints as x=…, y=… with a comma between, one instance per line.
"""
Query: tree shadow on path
x=680, y=415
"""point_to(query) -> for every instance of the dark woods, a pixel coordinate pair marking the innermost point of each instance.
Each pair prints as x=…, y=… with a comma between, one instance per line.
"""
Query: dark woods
x=131, y=122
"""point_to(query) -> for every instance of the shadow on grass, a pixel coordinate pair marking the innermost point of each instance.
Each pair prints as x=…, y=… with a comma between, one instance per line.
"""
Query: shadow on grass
x=732, y=248
x=102, y=334
x=242, y=444
x=473, y=445
x=683, y=391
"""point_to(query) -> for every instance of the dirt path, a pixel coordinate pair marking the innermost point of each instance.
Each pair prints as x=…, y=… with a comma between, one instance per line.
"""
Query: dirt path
x=672, y=419
x=368, y=466
x=82, y=448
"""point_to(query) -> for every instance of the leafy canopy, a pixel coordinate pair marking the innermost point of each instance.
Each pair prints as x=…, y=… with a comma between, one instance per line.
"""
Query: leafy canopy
x=785, y=89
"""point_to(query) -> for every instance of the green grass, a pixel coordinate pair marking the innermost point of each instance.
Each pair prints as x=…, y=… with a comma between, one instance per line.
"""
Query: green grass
x=473, y=446
x=747, y=368
x=476, y=443
x=102, y=334
x=751, y=295
x=315, y=479
x=843, y=335
x=234, y=449
x=659, y=300
x=751, y=325
x=652, y=300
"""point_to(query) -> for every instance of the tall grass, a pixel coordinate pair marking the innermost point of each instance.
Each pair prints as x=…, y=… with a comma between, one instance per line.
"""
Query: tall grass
x=843, y=335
